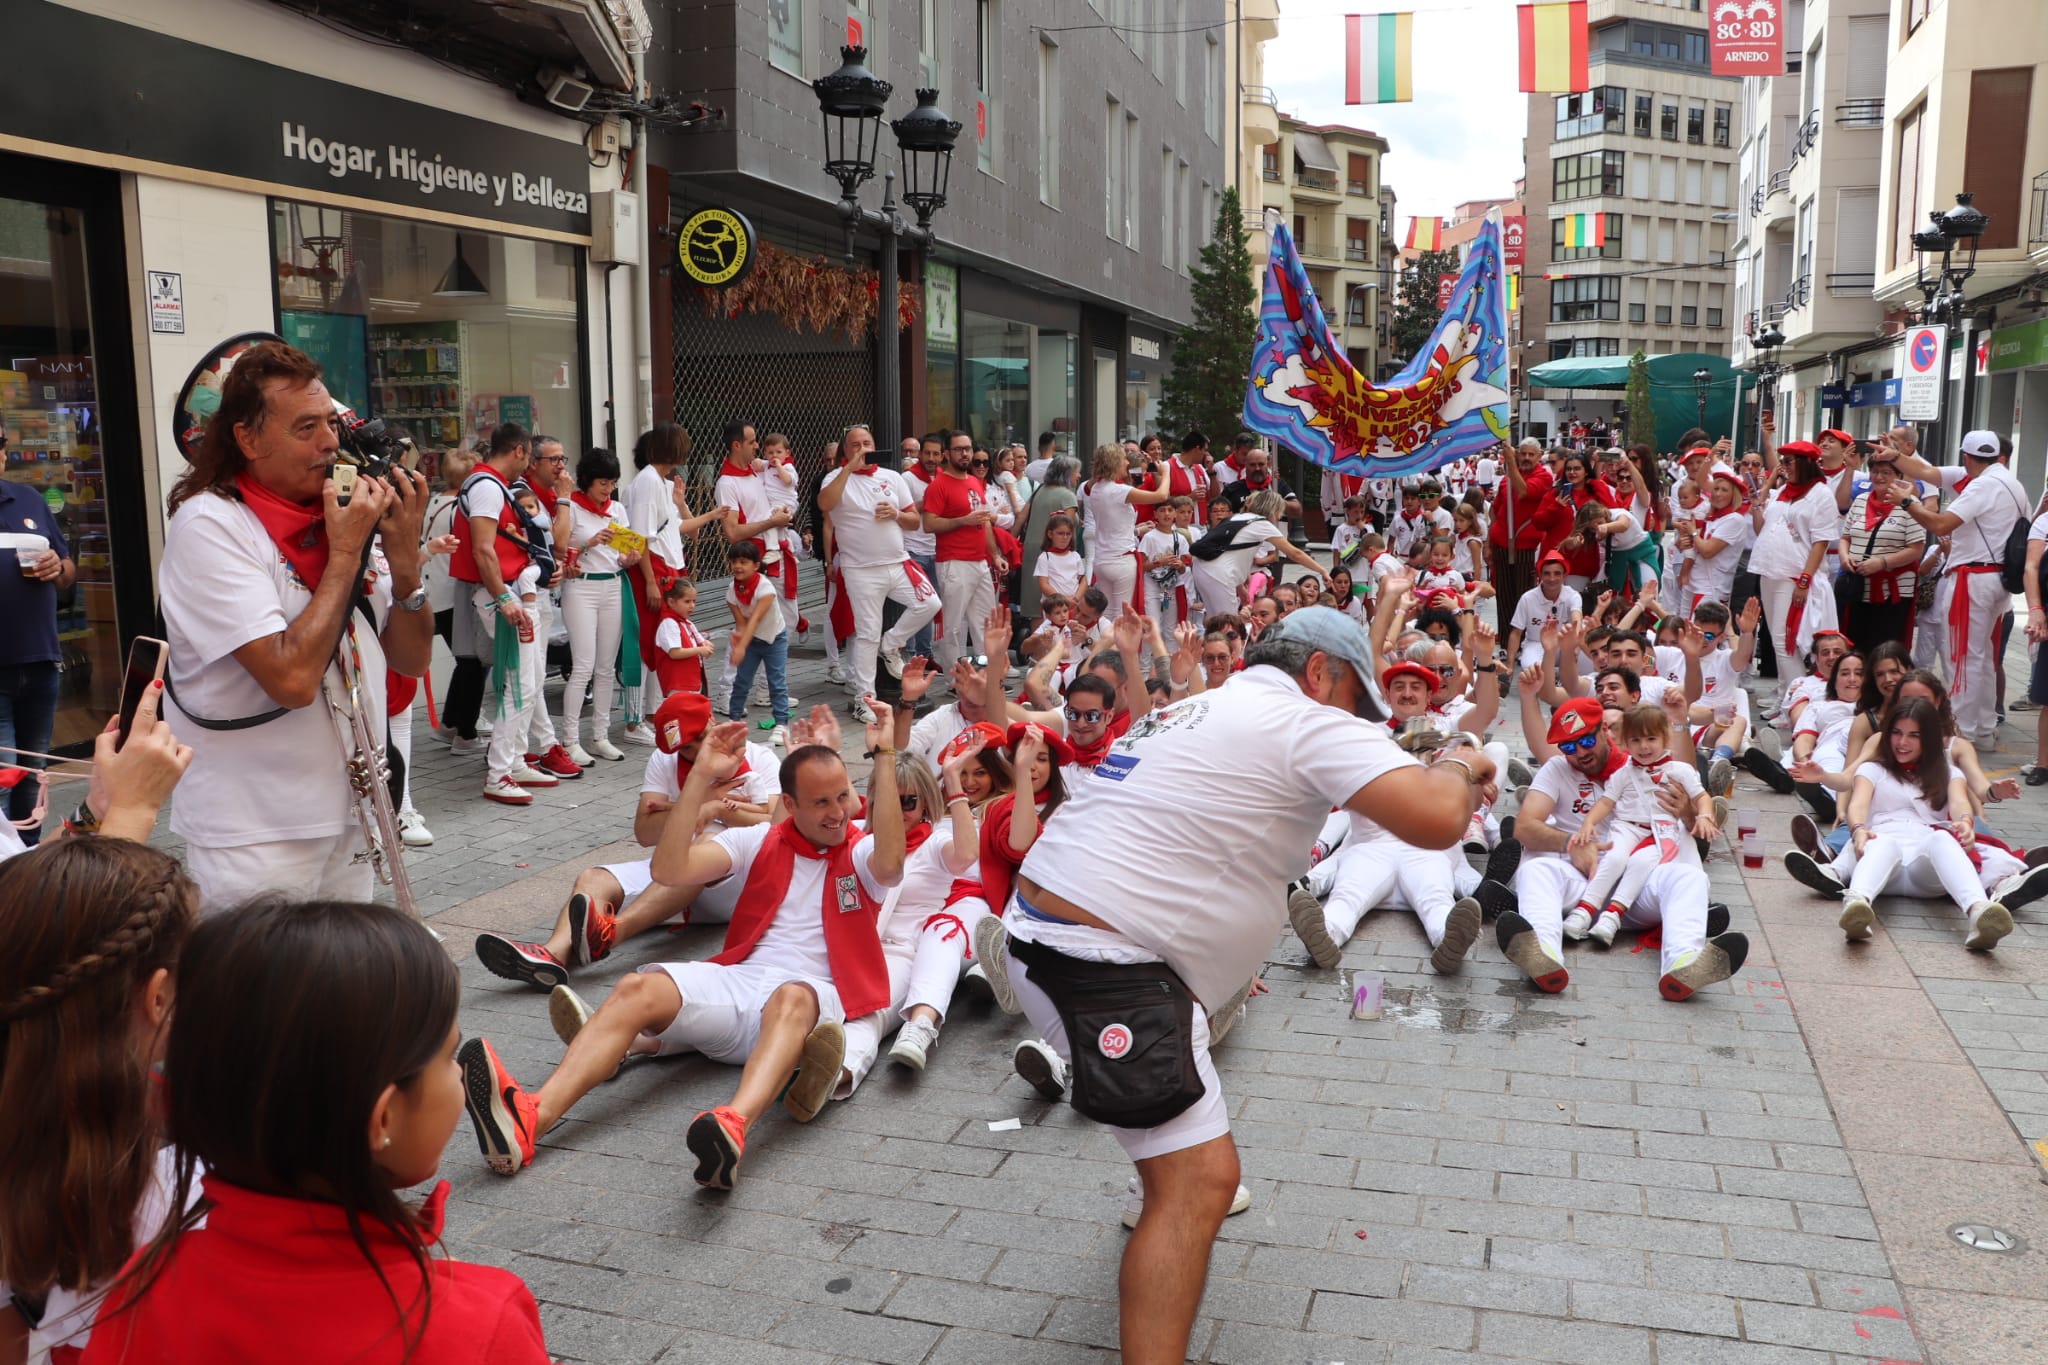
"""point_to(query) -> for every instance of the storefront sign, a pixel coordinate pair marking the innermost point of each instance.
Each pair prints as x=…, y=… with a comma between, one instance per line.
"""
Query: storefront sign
x=1834, y=395
x=1875, y=393
x=166, y=301
x=941, y=307
x=2018, y=348
x=185, y=106
x=1446, y=285
x=1512, y=231
x=1144, y=348
x=1747, y=38
x=715, y=247
x=1920, y=393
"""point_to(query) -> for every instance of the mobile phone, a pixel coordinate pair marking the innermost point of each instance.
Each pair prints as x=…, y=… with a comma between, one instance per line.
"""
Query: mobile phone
x=146, y=660
x=344, y=476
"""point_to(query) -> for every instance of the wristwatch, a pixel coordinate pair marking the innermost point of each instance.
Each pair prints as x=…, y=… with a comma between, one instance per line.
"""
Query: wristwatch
x=413, y=601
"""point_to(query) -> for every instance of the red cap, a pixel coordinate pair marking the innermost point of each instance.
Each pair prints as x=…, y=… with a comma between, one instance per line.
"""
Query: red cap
x=1408, y=668
x=990, y=734
x=1554, y=557
x=681, y=721
x=1575, y=719
x=1062, y=751
x=1840, y=435
x=1806, y=448
x=1700, y=450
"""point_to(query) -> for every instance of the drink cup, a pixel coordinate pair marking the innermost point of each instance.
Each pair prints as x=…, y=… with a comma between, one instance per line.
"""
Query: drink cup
x=526, y=630
x=1365, y=999
x=28, y=559
x=1753, y=849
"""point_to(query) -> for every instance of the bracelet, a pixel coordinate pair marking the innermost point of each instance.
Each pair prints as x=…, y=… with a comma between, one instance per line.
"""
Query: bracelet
x=1804, y=580
x=959, y=796
x=1471, y=778
x=502, y=598
x=881, y=753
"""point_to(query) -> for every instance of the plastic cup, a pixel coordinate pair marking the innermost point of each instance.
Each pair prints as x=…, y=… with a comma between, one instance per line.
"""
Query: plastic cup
x=27, y=560
x=1365, y=999
x=1753, y=849
x=526, y=630
x=1746, y=824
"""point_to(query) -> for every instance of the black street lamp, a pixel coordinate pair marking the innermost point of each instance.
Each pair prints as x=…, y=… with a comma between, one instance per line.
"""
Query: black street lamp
x=1767, y=369
x=1701, y=378
x=1954, y=236
x=852, y=100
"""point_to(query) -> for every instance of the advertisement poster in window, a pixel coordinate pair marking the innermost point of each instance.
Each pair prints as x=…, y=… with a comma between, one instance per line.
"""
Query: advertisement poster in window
x=1747, y=38
x=1511, y=233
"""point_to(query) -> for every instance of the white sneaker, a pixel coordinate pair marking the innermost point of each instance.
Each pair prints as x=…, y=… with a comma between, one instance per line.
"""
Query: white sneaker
x=485, y=726
x=834, y=673
x=861, y=712
x=643, y=733
x=413, y=831
x=1577, y=923
x=1134, y=1202
x=1605, y=928
x=1041, y=1067
x=892, y=659
x=459, y=745
x=914, y=1043
x=533, y=777
x=1989, y=922
x=779, y=737
x=580, y=756
x=507, y=793
x=605, y=749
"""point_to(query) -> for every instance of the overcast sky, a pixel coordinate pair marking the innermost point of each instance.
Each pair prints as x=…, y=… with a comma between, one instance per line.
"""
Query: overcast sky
x=1459, y=139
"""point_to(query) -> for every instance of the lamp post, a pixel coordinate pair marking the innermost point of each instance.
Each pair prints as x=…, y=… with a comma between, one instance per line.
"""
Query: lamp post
x=1954, y=235
x=1700, y=379
x=1766, y=344
x=852, y=100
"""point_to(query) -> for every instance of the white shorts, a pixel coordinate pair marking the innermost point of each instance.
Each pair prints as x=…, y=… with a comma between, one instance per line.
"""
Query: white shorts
x=721, y=1013
x=714, y=904
x=1203, y=1121
x=633, y=878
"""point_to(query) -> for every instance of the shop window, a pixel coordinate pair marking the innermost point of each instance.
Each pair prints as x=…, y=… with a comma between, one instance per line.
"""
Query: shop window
x=995, y=356
x=786, y=41
x=446, y=333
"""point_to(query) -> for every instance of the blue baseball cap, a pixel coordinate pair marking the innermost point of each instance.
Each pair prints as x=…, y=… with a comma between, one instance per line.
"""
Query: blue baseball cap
x=1331, y=632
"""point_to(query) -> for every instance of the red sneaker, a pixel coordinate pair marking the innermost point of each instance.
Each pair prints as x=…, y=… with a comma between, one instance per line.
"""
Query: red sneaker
x=592, y=930
x=504, y=1114
x=530, y=963
x=718, y=1137
x=557, y=762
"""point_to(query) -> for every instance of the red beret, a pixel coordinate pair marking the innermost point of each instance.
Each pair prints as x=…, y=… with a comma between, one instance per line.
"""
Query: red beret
x=681, y=720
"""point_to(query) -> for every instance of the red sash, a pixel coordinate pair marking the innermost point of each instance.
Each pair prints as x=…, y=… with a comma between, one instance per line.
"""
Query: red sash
x=852, y=943
x=1959, y=622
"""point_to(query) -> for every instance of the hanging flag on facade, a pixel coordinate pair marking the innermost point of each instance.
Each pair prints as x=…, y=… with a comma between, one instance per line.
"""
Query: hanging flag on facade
x=1379, y=58
x=1585, y=230
x=1449, y=401
x=1554, y=44
x=1425, y=234
x=1515, y=291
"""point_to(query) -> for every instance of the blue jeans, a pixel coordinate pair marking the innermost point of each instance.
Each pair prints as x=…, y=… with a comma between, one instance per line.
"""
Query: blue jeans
x=921, y=643
x=774, y=653
x=28, y=713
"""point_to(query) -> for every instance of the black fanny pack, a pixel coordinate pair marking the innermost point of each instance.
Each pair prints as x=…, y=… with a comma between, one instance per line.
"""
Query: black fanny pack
x=1131, y=1030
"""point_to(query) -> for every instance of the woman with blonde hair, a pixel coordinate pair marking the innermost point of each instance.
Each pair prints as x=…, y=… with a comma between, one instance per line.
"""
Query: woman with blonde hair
x=1110, y=513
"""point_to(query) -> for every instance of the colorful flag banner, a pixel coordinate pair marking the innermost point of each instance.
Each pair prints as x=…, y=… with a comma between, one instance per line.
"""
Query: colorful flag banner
x=1515, y=291
x=1379, y=58
x=1425, y=234
x=1449, y=401
x=1585, y=230
x=1554, y=47
x=1747, y=39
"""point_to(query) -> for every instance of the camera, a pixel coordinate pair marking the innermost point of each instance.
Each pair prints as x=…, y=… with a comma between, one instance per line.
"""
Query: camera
x=376, y=447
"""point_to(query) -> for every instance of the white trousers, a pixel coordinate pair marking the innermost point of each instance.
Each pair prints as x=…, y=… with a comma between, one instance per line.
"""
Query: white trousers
x=1675, y=896
x=1973, y=667
x=1902, y=860
x=1361, y=877
x=304, y=869
x=510, y=714
x=943, y=947
x=968, y=592
x=540, y=729
x=592, y=612
x=864, y=1035
x=866, y=590
x=1117, y=576
x=398, y=742
x=1163, y=606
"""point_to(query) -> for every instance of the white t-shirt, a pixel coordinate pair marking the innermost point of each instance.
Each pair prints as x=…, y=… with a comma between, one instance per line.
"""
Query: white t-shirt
x=1344, y=536
x=1893, y=802
x=1633, y=789
x=1670, y=663
x=779, y=482
x=1487, y=473
x=582, y=526
x=651, y=510
x=1383, y=565
x=1790, y=531
x=1534, y=609
x=746, y=495
x=760, y=783
x=226, y=585
x=1064, y=570
x=1407, y=535
x=1221, y=577
x=935, y=731
x=1718, y=683
x=1450, y=580
x=922, y=543
x=1235, y=783
x=1806, y=690
x=1829, y=722
x=771, y=623
x=1465, y=559
x=1572, y=795
x=1713, y=578
x=1156, y=543
x=1990, y=507
x=1629, y=536
x=795, y=939
x=927, y=878
x=1114, y=518
x=864, y=541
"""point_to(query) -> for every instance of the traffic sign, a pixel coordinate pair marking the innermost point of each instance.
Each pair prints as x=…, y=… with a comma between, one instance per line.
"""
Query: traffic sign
x=1924, y=376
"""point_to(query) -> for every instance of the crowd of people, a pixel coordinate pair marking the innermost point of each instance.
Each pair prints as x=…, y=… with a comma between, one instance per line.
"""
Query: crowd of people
x=228, y=1068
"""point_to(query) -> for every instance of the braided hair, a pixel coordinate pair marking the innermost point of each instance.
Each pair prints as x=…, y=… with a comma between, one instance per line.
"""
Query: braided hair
x=88, y=926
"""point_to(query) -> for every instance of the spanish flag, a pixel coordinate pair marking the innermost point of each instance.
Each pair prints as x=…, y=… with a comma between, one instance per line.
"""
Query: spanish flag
x=1379, y=58
x=1554, y=47
x=1425, y=234
x=1585, y=230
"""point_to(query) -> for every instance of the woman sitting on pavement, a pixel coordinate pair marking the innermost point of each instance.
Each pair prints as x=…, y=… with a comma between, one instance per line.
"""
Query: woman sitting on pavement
x=1822, y=733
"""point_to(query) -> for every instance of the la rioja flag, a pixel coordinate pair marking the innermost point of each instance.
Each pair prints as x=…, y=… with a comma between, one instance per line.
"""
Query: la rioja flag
x=1379, y=58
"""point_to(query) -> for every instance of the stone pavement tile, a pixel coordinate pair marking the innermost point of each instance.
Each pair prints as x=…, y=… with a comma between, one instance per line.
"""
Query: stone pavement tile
x=1675, y=1349
x=1648, y=1234
x=1703, y=1206
x=1856, y=1293
x=1873, y=1099
x=574, y=1335
x=1568, y=1261
x=1776, y=1247
x=1734, y=1279
x=857, y=1289
x=1504, y=1157
x=1351, y=1206
x=1868, y=1021
x=889, y=1341
x=1635, y=1170
x=1260, y=1304
x=1818, y=952
x=1404, y=1178
x=1064, y=1276
x=1818, y=1329
x=1592, y=1195
x=1972, y=1327
x=956, y=1304
x=1340, y=1273
x=696, y=1348
x=1833, y=1220
x=1499, y=1220
x=2009, y=963
x=1917, y=1199
x=1423, y=1324
x=1069, y=1237
x=1792, y=1184
x=919, y=1255
x=967, y=1346
x=1574, y=1343
x=1242, y=1344
x=1706, y=1314
x=1487, y=1289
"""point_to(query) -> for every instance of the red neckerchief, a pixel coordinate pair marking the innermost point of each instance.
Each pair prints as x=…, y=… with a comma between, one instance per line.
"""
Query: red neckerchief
x=1875, y=511
x=1964, y=482
x=1793, y=492
x=848, y=912
x=1654, y=763
x=914, y=837
x=1232, y=461
x=1266, y=482
x=300, y=531
x=590, y=504
x=544, y=496
x=745, y=593
x=692, y=637
x=866, y=470
x=737, y=471
x=1094, y=753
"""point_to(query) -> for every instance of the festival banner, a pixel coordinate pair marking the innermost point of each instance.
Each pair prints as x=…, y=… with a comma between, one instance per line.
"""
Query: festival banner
x=1425, y=234
x=1379, y=58
x=1449, y=401
x=1747, y=38
x=1554, y=47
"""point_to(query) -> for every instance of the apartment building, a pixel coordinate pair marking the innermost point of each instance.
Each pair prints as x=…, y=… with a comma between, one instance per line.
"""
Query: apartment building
x=1651, y=149
x=1805, y=255
x=1324, y=181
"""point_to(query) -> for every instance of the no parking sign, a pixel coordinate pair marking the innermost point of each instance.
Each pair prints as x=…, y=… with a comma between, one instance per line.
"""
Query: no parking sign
x=1924, y=373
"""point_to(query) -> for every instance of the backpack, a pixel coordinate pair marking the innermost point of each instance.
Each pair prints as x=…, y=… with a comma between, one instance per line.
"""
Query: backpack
x=532, y=536
x=1220, y=538
x=2013, y=569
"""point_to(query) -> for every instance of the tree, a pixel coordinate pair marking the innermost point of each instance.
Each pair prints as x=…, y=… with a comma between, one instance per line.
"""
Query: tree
x=1212, y=356
x=1416, y=313
x=1642, y=421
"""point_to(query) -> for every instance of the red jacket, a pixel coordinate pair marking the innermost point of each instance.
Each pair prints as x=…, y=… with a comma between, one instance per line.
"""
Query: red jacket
x=1584, y=561
x=1533, y=514
x=271, y=1278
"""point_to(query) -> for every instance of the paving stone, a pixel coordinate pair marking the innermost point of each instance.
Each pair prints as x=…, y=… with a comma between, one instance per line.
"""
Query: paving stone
x=1487, y=1289
x=1660, y=1308
x=891, y=1341
x=1576, y=1343
x=1425, y=1324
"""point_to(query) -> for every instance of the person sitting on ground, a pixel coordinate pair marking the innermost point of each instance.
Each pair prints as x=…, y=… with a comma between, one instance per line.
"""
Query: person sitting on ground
x=1821, y=735
x=775, y=1001
x=296, y=1124
x=1721, y=713
x=1642, y=838
x=1549, y=600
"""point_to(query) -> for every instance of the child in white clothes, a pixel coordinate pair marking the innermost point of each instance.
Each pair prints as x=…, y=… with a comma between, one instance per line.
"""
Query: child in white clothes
x=1060, y=569
x=1440, y=575
x=777, y=469
x=1166, y=551
x=1347, y=534
x=1644, y=835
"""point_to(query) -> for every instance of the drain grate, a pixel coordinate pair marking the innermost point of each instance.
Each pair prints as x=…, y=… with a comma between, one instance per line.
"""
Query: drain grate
x=1984, y=1237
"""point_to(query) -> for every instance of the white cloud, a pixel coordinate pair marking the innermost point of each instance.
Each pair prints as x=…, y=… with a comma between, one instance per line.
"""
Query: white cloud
x=1459, y=139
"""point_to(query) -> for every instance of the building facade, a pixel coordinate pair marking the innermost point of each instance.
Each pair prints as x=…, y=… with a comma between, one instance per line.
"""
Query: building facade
x=1324, y=181
x=1651, y=150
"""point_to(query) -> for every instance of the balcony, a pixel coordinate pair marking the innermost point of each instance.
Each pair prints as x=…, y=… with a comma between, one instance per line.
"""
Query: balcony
x=1318, y=250
x=1317, y=184
x=1260, y=116
x=1851, y=284
x=1775, y=198
x=1804, y=139
x=1357, y=189
x=1356, y=253
x=1798, y=295
x=1860, y=113
x=1261, y=19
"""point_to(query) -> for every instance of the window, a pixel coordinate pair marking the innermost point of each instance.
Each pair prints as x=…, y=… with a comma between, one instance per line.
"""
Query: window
x=1906, y=187
x=1595, y=111
x=1133, y=200
x=1269, y=162
x=786, y=41
x=1667, y=246
x=1208, y=206
x=1179, y=40
x=1696, y=125
x=927, y=43
x=1663, y=315
x=1588, y=298
x=1585, y=175
x=1610, y=249
x=1048, y=123
x=1357, y=241
x=1916, y=13
x=1113, y=171
x=1354, y=309
x=985, y=69
x=1212, y=89
x=1637, y=312
x=1695, y=45
x=1169, y=217
x=1358, y=175
x=1667, y=179
x=1642, y=124
x=1996, y=149
x=1722, y=116
x=1688, y=316
x=1694, y=190
x=1713, y=319
x=1717, y=186
x=1667, y=123
x=1585, y=346
x=1689, y=245
x=1183, y=238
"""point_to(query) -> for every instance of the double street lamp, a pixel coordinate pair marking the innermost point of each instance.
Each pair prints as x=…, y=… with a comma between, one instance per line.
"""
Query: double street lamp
x=852, y=100
x=1766, y=344
x=1701, y=378
x=1953, y=236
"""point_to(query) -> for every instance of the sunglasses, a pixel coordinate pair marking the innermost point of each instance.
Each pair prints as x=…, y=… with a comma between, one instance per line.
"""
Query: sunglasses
x=1585, y=744
x=1095, y=717
x=1443, y=670
x=909, y=801
x=1710, y=635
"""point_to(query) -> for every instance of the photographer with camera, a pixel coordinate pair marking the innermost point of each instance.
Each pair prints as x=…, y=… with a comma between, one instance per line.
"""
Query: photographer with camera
x=267, y=574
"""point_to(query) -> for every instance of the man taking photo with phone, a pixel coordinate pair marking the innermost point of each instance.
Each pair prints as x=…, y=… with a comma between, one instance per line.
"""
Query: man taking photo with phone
x=267, y=578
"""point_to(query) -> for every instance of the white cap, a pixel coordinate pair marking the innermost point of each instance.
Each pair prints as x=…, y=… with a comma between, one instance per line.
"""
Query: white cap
x=1980, y=445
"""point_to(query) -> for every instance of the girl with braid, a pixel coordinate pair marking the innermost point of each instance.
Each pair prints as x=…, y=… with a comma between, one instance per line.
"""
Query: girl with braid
x=93, y=929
